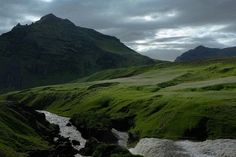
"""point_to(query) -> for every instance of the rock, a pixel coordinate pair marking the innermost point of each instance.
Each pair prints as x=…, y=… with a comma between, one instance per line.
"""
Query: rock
x=123, y=123
x=61, y=140
x=39, y=153
x=63, y=148
x=75, y=143
x=95, y=125
x=90, y=146
x=68, y=124
x=108, y=150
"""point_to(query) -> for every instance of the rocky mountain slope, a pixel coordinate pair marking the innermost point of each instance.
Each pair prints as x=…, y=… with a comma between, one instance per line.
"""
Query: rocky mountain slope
x=205, y=53
x=54, y=50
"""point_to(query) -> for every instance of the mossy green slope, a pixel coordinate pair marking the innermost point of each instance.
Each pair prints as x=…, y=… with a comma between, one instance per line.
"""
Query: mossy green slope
x=177, y=101
x=20, y=131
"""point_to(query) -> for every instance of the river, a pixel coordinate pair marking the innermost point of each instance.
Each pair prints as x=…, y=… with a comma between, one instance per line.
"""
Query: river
x=67, y=131
x=152, y=147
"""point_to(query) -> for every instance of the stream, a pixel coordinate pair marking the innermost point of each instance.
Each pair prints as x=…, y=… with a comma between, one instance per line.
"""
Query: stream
x=67, y=131
x=152, y=147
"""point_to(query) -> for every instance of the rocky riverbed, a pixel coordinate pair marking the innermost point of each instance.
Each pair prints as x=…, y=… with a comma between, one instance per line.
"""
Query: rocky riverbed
x=150, y=147
x=66, y=130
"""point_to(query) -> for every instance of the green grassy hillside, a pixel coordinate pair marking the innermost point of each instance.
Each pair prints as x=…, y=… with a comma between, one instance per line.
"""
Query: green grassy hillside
x=22, y=131
x=173, y=100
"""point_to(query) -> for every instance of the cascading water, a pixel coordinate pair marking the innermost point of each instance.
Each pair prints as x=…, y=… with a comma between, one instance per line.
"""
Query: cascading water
x=122, y=137
x=67, y=131
x=153, y=147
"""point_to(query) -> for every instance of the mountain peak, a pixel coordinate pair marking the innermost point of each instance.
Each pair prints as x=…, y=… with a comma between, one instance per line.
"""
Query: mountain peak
x=200, y=47
x=205, y=53
x=51, y=19
x=49, y=16
x=56, y=47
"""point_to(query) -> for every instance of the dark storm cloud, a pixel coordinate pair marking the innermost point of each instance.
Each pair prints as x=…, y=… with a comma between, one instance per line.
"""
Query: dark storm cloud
x=157, y=28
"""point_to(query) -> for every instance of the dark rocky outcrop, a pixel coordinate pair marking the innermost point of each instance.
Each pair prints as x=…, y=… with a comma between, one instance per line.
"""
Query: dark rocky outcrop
x=97, y=149
x=61, y=148
x=123, y=123
x=75, y=143
x=94, y=125
x=17, y=121
x=35, y=120
x=90, y=147
x=105, y=150
x=199, y=132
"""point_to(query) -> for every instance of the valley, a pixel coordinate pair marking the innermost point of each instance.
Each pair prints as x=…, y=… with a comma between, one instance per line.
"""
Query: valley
x=177, y=101
x=71, y=91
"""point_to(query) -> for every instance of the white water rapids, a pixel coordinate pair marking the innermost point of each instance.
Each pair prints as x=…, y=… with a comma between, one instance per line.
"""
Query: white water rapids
x=122, y=137
x=66, y=131
x=152, y=147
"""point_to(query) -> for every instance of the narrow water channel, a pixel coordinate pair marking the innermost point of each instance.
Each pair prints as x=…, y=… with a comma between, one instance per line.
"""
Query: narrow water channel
x=67, y=131
x=152, y=147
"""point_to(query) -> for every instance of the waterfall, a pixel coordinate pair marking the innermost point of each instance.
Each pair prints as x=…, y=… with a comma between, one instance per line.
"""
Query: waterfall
x=122, y=137
x=152, y=147
x=67, y=131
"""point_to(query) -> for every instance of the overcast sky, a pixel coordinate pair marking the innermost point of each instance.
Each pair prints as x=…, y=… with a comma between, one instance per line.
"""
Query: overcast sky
x=161, y=29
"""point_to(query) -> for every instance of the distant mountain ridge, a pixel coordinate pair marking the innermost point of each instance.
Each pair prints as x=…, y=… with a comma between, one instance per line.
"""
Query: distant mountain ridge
x=204, y=53
x=54, y=50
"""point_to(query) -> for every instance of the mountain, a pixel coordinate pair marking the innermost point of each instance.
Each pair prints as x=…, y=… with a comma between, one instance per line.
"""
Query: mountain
x=204, y=53
x=54, y=50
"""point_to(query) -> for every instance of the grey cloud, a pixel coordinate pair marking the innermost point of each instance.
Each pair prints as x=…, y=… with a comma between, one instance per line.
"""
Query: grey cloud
x=114, y=17
x=164, y=54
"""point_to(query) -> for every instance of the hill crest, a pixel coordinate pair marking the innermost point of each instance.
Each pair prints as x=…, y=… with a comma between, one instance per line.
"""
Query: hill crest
x=54, y=50
x=205, y=53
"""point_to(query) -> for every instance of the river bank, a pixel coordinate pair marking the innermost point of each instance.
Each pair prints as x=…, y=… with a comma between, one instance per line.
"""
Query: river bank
x=151, y=147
